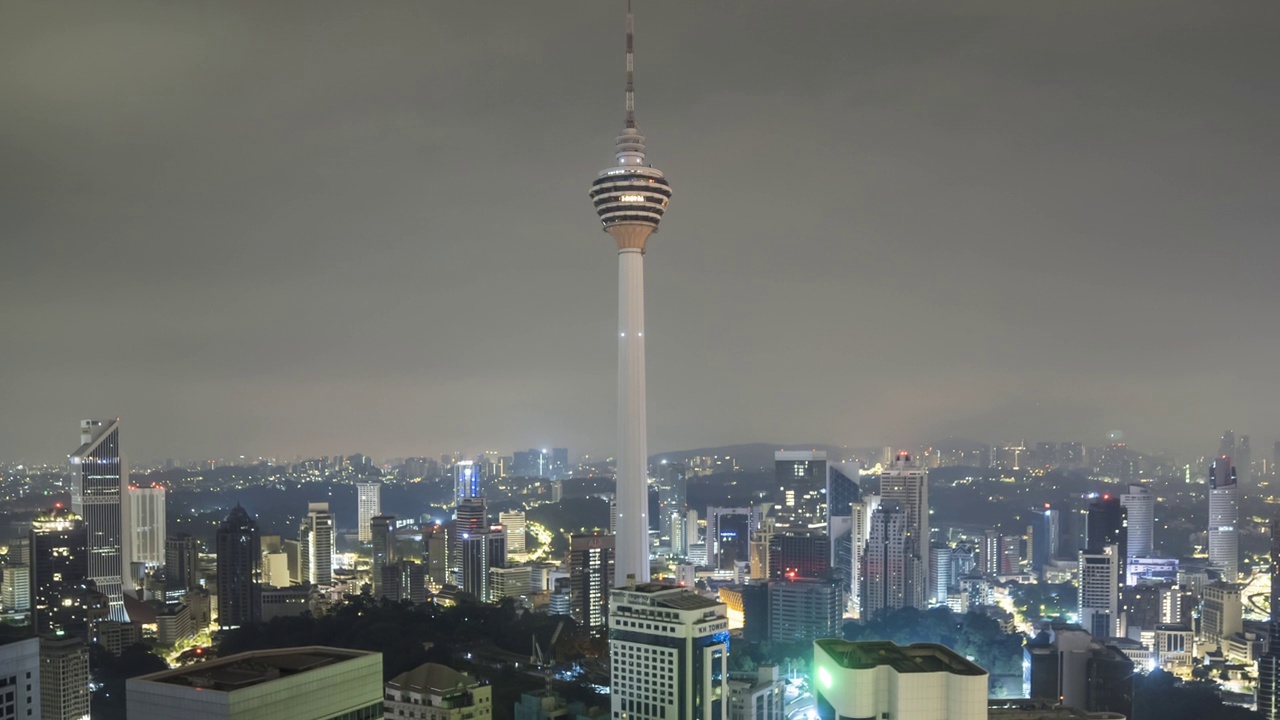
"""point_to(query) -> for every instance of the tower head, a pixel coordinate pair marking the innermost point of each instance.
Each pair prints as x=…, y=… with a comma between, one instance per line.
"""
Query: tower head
x=631, y=196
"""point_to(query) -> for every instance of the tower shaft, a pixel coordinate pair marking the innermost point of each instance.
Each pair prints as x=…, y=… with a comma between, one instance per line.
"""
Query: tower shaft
x=632, y=548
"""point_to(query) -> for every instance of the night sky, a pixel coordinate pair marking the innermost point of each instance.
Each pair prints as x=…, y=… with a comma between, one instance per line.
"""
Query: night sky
x=326, y=227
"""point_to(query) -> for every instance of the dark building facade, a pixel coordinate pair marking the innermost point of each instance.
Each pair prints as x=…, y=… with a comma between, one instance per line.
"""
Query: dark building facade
x=181, y=565
x=1269, y=664
x=98, y=474
x=383, y=531
x=63, y=599
x=239, y=548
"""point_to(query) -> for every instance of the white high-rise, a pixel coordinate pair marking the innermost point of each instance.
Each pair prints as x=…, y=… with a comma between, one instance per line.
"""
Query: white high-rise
x=145, y=524
x=630, y=198
x=315, y=545
x=515, y=524
x=1140, y=506
x=1224, y=518
x=368, y=506
x=1099, y=595
x=906, y=483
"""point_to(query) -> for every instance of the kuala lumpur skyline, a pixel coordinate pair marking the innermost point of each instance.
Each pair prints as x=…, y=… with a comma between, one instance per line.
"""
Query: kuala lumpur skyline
x=958, y=241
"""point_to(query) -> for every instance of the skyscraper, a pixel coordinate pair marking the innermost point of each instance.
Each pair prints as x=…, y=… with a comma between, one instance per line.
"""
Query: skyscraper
x=59, y=570
x=239, y=571
x=383, y=537
x=516, y=526
x=631, y=198
x=99, y=473
x=315, y=545
x=145, y=524
x=673, y=503
x=368, y=506
x=906, y=483
x=886, y=561
x=64, y=679
x=1139, y=505
x=1269, y=663
x=181, y=565
x=1099, y=594
x=1224, y=517
x=590, y=579
x=1244, y=461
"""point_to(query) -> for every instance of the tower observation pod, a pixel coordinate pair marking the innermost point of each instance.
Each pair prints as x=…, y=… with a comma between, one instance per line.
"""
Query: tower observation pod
x=631, y=197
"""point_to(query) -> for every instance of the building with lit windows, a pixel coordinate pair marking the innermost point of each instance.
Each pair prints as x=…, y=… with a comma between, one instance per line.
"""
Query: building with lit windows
x=1224, y=518
x=99, y=473
x=64, y=678
x=883, y=680
x=61, y=593
x=517, y=527
x=144, y=509
x=368, y=506
x=466, y=480
x=299, y=683
x=668, y=654
x=906, y=483
x=315, y=545
x=590, y=579
x=1099, y=595
x=1139, y=505
x=382, y=535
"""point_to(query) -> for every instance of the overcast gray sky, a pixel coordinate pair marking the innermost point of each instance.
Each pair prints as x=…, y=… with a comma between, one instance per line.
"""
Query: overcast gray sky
x=318, y=227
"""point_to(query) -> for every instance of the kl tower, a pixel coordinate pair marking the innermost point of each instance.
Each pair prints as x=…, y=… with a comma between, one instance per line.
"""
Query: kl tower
x=630, y=198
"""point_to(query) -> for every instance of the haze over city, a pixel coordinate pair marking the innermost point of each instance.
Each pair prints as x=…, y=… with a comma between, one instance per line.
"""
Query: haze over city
x=293, y=230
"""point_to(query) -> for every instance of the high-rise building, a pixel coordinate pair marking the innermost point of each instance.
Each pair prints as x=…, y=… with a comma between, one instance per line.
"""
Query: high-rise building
x=481, y=550
x=883, y=680
x=239, y=547
x=144, y=508
x=1224, y=517
x=804, y=609
x=516, y=526
x=1227, y=445
x=906, y=483
x=59, y=572
x=435, y=554
x=673, y=504
x=315, y=545
x=797, y=554
x=469, y=517
x=466, y=480
x=181, y=565
x=382, y=533
x=762, y=697
x=64, y=678
x=1221, y=614
x=631, y=198
x=591, y=567
x=668, y=653
x=1269, y=664
x=368, y=506
x=1099, y=594
x=843, y=496
x=888, y=562
x=940, y=578
x=99, y=473
x=19, y=678
x=1244, y=461
x=1139, y=505
x=1047, y=537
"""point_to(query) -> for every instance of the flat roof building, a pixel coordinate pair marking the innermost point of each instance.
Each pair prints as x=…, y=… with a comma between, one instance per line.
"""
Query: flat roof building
x=433, y=691
x=301, y=683
x=881, y=679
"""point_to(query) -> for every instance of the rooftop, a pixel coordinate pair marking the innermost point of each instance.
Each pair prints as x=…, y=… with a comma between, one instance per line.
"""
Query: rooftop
x=254, y=668
x=433, y=678
x=918, y=658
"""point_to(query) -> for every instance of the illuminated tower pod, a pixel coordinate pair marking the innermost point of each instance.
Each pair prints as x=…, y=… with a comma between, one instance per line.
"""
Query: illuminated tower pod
x=630, y=199
x=99, y=473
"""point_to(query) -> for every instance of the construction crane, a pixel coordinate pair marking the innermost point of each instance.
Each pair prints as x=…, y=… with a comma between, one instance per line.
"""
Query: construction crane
x=546, y=661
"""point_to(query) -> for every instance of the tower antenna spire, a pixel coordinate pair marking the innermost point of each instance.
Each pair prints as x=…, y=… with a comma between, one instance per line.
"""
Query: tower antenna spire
x=631, y=68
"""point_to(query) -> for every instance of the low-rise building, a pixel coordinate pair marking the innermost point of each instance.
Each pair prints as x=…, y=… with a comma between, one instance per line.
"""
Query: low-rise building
x=758, y=696
x=881, y=679
x=437, y=692
x=301, y=683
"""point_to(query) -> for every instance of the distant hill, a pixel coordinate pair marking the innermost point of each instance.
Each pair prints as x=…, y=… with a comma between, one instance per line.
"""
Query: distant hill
x=749, y=456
